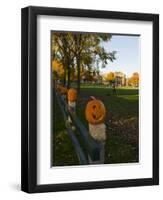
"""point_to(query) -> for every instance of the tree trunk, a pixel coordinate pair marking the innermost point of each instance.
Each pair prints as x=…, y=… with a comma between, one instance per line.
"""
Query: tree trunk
x=64, y=79
x=68, y=75
x=78, y=77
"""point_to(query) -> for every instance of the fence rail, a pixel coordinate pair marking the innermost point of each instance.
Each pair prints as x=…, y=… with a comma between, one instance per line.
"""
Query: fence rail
x=82, y=158
x=93, y=148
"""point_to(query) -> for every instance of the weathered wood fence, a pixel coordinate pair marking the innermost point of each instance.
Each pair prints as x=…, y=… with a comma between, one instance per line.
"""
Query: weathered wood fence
x=93, y=150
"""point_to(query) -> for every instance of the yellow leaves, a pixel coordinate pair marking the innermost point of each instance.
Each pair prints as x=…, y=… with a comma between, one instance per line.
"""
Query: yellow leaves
x=134, y=80
x=110, y=76
x=58, y=68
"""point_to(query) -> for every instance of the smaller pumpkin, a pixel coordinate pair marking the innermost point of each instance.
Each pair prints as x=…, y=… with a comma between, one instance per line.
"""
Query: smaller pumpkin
x=95, y=112
x=63, y=90
x=72, y=94
x=58, y=87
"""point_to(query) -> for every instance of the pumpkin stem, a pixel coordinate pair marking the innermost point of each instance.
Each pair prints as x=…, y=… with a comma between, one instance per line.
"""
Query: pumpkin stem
x=92, y=97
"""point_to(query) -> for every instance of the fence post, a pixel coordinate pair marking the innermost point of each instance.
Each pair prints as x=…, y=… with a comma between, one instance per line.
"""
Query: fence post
x=95, y=114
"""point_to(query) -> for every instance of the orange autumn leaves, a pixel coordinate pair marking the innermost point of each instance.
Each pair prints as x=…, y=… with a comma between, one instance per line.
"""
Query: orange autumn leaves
x=57, y=68
x=134, y=80
x=110, y=77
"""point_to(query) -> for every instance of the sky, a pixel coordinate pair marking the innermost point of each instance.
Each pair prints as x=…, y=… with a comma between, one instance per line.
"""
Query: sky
x=127, y=56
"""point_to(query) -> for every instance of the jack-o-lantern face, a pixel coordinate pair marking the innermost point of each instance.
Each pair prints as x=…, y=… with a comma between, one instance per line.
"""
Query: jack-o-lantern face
x=95, y=112
x=72, y=94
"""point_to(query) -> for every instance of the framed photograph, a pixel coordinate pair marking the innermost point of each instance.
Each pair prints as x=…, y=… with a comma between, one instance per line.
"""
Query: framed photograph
x=90, y=99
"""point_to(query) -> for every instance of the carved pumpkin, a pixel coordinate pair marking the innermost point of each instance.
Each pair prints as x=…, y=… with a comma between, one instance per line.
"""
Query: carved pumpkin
x=95, y=112
x=58, y=87
x=72, y=94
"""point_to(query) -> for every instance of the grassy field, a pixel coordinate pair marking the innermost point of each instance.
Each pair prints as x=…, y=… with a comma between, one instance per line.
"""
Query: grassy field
x=121, y=120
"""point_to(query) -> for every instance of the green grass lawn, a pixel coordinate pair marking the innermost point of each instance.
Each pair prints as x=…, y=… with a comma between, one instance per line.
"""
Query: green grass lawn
x=121, y=120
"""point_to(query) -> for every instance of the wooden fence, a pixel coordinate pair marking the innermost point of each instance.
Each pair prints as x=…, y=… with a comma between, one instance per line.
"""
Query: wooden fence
x=93, y=150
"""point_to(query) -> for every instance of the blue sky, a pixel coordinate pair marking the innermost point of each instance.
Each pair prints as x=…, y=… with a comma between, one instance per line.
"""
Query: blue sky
x=128, y=57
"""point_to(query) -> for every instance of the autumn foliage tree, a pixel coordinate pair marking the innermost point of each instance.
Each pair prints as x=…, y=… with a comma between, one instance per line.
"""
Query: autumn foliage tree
x=134, y=80
x=110, y=77
x=62, y=52
x=76, y=50
x=57, y=70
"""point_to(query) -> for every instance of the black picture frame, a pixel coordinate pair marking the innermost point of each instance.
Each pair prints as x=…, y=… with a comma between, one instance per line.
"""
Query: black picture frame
x=29, y=98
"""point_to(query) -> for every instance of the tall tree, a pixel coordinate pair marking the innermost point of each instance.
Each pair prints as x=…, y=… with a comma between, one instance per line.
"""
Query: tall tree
x=62, y=44
x=110, y=77
x=88, y=51
x=81, y=49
